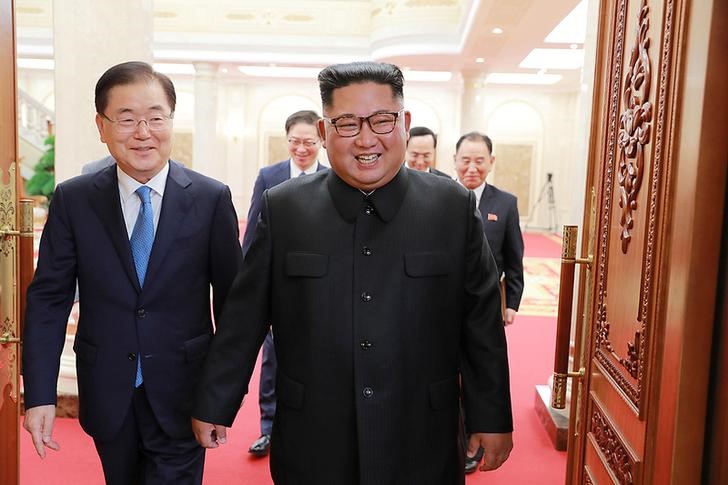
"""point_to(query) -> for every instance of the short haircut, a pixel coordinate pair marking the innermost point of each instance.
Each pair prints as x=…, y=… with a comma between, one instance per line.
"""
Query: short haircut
x=130, y=73
x=305, y=116
x=475, y=136
x=342, y=75
x=423, y=131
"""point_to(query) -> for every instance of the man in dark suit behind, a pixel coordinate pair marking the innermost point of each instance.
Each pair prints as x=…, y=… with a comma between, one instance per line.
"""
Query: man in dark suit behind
x=146, y=238
x=421, y=151
x=380, y=315
x=499, y=210
x=303, y=147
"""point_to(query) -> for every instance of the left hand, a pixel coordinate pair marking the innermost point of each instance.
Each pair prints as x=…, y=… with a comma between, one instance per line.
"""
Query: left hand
x=510, y=316
x=497, y=448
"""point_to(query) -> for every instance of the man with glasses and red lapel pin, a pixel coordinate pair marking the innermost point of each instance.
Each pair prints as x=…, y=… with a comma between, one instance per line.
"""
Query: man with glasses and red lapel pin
x=383, y=298
x=303, y=147
x=146, y=238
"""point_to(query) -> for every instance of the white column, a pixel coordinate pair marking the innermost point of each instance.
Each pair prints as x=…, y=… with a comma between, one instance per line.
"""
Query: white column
x=204, y=143
x=473, y=105
x=89, y=37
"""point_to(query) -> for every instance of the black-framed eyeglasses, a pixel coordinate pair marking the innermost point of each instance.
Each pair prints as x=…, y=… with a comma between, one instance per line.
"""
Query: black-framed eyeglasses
x=129, y=124
x=380, y=123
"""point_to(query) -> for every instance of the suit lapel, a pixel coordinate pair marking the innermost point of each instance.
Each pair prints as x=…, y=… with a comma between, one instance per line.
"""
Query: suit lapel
x=176, y=203
x=106, y=203
x=485, y=201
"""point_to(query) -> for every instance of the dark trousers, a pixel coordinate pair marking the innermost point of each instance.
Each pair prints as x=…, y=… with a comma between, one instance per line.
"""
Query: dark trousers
x=267, y=390
x=143, y=454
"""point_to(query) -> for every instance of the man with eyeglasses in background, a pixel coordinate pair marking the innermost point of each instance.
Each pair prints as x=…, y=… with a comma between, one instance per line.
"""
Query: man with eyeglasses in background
x=383, y=299
x=146, y=238
x=303, y=147
x=421, y=151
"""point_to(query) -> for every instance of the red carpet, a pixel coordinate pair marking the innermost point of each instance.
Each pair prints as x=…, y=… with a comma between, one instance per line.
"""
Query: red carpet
x=533, y=461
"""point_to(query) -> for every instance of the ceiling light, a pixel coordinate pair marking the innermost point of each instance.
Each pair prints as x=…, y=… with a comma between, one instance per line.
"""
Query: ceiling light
x=427, y=76
x=572, y=28
x=521, y=78
x=497, y=31
x=479, y=60
x=48, y=64
x=273, y=71
x=553, y=59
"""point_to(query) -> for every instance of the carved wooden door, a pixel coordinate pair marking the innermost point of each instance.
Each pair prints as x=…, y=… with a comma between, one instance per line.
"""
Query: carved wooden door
x=656, y=188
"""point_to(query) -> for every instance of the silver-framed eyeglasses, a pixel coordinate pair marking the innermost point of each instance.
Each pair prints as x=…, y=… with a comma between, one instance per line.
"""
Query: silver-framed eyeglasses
x=307, y=143
x=380, y=123
x=129, y=124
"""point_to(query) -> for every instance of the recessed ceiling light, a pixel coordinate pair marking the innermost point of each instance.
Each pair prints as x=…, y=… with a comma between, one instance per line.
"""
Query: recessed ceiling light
x=572, y=28
x=479, y=60
x=521, y=78
x=553, y=59
x=497, y=31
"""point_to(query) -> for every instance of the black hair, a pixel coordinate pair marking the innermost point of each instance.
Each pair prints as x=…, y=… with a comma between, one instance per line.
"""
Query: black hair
x=130, y=73
x=341, y=75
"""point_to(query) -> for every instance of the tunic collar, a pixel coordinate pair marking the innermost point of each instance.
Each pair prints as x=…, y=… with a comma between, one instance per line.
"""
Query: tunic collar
x=386, y=200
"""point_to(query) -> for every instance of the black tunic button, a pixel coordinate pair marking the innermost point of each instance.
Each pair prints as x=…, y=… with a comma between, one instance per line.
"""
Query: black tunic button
x=366, y=297
x=367, y=392
x=366, y=251
x=368, y=210
x=365, y=345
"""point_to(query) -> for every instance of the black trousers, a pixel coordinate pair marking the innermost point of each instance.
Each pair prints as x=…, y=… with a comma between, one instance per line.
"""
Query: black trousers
x=143, y=454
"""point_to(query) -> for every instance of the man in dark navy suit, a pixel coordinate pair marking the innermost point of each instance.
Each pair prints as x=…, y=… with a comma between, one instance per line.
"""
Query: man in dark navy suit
x=303, y=147
x=473, y=162
x=146, y=238
x=421, y=151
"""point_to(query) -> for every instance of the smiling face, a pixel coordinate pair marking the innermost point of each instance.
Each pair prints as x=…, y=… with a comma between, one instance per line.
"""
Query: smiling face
x=303, y=144
x=473, y=163
x=368, y=160
x=421, y=152
x=142, y=153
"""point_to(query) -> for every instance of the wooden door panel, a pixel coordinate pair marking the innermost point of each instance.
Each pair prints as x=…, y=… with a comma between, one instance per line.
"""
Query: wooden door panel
x=646, y=235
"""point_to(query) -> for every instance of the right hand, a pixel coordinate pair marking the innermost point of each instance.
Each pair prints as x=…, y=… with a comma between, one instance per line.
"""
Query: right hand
x=209, y=435
x=39, y=423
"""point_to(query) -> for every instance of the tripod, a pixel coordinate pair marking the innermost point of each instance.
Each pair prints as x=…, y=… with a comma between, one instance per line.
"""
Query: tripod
x=548, y=191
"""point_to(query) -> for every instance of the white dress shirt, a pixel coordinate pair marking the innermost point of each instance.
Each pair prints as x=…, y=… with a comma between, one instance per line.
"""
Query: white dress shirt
x=130, y=202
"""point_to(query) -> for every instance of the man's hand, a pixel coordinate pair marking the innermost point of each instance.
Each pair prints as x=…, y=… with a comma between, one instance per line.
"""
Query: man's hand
x=497, y=448
x=39, y=423
x=510, y=316
x=209, y=435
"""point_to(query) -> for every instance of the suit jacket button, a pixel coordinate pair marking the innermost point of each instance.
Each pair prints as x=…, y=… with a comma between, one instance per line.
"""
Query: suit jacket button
x=368, y=392
x=131, y=356
x=140, y=313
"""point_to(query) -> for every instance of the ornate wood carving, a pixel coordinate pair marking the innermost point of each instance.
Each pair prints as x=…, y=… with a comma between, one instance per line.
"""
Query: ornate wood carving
x=618, y=458
x=634, y=133
x=635, y=125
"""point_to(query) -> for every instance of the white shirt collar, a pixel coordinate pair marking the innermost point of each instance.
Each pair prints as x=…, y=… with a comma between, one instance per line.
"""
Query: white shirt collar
x=296, y=171
x=128, y=185
x=477, y=190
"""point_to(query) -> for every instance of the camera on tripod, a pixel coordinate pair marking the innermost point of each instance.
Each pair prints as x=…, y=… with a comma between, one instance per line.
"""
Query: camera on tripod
x=548, y=190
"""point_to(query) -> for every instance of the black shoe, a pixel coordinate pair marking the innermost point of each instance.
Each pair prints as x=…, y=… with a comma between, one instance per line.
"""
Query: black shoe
x=261, y=446
x=471, y=464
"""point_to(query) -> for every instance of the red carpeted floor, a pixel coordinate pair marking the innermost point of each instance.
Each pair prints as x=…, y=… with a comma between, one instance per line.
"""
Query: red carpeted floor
x=533, y=461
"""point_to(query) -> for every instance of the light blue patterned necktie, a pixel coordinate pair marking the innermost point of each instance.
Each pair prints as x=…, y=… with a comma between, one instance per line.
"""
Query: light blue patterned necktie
x=142, y=238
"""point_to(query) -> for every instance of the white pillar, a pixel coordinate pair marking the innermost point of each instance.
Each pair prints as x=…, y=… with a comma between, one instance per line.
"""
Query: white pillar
x=204, y=143
x=473, y=105
x=89, y=37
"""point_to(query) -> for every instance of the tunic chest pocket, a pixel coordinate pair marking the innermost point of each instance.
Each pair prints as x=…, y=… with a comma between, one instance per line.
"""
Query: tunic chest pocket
x=307, y=265
x=434, y=263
